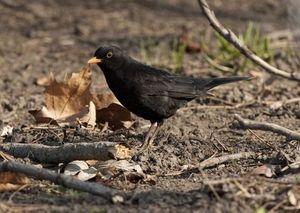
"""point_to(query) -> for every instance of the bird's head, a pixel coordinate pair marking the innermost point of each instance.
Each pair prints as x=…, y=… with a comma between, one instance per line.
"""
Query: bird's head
x=108, y=57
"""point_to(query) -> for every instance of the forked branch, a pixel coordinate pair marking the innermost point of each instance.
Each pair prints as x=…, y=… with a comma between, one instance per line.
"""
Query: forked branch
x=233, y=39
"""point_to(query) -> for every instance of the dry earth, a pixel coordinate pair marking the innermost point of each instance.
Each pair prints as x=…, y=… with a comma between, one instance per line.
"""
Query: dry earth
x=37, y=37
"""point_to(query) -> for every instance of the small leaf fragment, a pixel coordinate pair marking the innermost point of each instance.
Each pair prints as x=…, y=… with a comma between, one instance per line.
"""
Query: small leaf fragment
x=74, y=167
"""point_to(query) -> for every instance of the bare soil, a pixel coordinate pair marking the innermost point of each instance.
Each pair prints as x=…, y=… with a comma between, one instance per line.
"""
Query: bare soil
x=38, y=37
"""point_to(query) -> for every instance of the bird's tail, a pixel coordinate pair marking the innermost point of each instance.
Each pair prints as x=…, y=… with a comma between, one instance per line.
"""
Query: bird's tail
x=211, y=83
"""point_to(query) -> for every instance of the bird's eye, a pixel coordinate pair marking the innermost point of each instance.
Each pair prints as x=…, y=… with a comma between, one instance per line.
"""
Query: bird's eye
x=109, y=54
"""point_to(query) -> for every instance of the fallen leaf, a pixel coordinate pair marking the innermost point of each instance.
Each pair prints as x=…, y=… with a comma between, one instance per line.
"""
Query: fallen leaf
x=43, y=81
x=91, y=162
x=86, y=116
x=87, y=174
x=276, y=105
x=104, y=100
x=66, y=98
x=74, y=167
x=292, y=198
x=12, y=181
x=66, y=101
x=7, y=131
x=70, y=102
x=117, y=199
x=120, y=152
x=266, y=170
x=116, y=115
x=191, y=46
x=112, y=168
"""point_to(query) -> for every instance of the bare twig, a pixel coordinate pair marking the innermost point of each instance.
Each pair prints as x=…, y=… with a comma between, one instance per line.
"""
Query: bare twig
x=67, y=152
x=225, y=158
x=214, y=161
x=278, y=104
x=233, y=39
x=67, y=181
x=264, y=126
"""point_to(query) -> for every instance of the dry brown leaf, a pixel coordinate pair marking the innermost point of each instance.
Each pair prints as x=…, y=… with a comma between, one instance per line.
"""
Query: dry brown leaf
x=11, y=181
x=111, y=168
x=265, y=170
x=116, y=115
x=67, y=101
x=120, y=152
x=71, y=102
x=104, y=100
x=86, y=116
x=43, y=81
x=67, y=98
x=111, y=111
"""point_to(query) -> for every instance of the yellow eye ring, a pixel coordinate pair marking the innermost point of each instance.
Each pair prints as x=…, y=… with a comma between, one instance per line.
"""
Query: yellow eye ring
x=109, y=54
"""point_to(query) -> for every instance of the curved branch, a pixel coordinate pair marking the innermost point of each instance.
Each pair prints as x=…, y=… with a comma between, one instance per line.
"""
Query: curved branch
x=67, y=181
x=233, y=39
x=264, y=126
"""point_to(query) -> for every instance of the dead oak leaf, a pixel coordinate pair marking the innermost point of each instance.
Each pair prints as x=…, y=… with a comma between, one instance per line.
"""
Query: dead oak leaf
x=115, y=115
x=68, y=101
x=11, y=181
x=67, y=98
x=71, y=101
x=111, y=111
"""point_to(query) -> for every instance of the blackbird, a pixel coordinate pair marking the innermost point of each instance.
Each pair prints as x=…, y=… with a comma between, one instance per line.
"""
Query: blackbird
x=148, y=92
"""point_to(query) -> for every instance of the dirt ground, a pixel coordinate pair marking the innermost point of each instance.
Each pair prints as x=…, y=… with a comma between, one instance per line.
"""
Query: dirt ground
x=38, y=37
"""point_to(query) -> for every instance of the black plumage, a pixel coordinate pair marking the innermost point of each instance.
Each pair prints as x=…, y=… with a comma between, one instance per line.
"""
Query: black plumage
x=148, y=92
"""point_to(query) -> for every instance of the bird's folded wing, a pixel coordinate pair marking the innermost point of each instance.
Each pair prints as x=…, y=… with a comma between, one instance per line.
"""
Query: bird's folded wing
x=173, y=86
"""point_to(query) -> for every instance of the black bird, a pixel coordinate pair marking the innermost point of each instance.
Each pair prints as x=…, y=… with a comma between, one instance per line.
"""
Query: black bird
x=148, y=92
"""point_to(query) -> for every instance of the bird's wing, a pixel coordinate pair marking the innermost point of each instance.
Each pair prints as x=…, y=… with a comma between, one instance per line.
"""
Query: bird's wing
x=174, y=86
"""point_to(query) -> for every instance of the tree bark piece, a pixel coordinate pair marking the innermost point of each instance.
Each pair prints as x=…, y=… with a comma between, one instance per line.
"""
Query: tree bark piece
x=67, y=181
x=67, y=152
x=264, y=126
x=233, y=39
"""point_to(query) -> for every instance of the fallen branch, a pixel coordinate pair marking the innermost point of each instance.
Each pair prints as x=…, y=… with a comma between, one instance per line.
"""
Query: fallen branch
x=67, y=181
x=214, y=161
x=264, y=126
x=211, y=162
x=67, y=152
x=233, y=39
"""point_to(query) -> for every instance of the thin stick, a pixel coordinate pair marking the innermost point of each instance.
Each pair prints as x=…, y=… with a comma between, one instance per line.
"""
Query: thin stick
x=214, y=161
x=233, y=39
x=67, y=181
x=264, y=126
x=104, y=150
x=225, y=158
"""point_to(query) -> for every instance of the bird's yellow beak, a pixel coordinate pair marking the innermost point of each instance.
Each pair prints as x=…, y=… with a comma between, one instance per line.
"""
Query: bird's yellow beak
x=94, y=60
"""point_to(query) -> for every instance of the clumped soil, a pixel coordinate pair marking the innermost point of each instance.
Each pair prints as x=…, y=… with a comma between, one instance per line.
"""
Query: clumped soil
x=38, y=37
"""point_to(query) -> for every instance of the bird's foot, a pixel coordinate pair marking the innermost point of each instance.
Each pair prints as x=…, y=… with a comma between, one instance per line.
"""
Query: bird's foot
x=145, y=147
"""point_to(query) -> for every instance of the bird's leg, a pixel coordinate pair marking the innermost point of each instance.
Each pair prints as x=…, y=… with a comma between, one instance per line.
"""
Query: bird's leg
x=150, y=137
x=159, y=124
